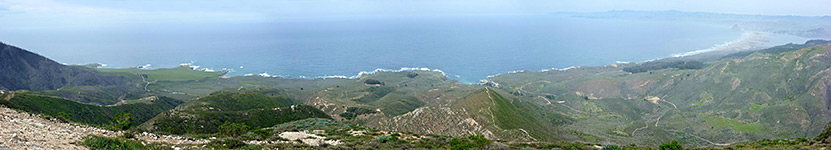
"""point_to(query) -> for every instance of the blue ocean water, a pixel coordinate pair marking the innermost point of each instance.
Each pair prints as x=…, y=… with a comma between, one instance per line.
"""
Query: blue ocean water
x=467, y=48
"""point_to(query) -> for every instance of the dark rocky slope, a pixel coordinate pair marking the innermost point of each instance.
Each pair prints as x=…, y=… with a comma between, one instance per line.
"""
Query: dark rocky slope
x=24, y=70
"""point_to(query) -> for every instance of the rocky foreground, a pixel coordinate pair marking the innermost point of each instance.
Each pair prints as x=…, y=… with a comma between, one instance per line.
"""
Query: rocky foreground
x=19, y=130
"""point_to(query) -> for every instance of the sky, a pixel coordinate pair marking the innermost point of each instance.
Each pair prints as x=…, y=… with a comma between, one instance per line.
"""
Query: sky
x=34, y=14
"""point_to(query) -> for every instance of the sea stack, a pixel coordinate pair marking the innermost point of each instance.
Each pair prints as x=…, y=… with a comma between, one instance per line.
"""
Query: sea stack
x=736, y=27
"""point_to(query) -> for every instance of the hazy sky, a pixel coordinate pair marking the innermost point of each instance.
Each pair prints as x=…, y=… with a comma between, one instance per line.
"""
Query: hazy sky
x=84, y=13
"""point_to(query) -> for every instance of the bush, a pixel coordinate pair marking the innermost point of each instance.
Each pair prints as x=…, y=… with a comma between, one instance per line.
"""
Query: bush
x=673, y=145
x=472, y=141
x=658, y=65
x=232, y=129
x=825, y=134
x=100, y=142
x=373, y=82
x=227, y=144
x=479, y=141
x=353, y=112
x=611, y=147
x=123, y=121
x=62, y=116
x=412, y=75
x=262, y=133
x=460, y=144
x=385, y=139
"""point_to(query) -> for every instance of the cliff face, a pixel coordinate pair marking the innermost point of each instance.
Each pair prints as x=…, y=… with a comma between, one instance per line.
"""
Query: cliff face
x=24, y=70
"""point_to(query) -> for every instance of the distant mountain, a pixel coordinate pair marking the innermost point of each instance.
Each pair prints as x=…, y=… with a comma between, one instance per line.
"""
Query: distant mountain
x=809, y=27
x=24, y=70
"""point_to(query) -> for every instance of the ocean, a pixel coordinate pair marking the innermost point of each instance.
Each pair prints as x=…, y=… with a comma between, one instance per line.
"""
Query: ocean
x=466, y=48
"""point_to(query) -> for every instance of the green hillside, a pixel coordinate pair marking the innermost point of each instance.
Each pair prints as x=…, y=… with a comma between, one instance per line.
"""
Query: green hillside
x=258, y=108
x=775, y=93
x=181, y=73
x=85, y=113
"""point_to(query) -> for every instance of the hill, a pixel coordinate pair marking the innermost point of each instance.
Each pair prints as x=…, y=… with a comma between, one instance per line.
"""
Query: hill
x=84, y=113
x=24, y=70
x=256, y=108
x=775, y=93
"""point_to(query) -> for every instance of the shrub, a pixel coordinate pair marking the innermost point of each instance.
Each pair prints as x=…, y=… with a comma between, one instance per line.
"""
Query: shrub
x=385, y=139
x=373, y=82
x=227, y=144
x=479, y=141
x=825, y=134
x=611, y=147
x=460, y=144
x=412, y=75
x=262, y=133
x=673, y=145
x=353, y=112
x=657, y=65
x=232, y=129
x=123, y=121
x=100, y=142
x=62, y=116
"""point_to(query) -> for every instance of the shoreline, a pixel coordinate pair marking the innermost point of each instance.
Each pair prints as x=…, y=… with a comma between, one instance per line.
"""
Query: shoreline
x=749, y=40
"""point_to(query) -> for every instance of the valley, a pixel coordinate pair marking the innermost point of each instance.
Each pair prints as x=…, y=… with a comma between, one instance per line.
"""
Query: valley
x=722, y=101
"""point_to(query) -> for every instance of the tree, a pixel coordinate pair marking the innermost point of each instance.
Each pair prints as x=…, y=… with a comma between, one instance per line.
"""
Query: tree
x=472, y=141
x=479, y=141
x=373, y=82
x=123, y=121
x=233, y=129
x=460, y=144
x=825, y=134
x=63, y=116
x=673, y=145
x=611, y=147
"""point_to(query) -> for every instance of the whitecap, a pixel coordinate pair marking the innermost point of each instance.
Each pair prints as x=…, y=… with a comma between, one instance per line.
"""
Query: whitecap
x=264, y=74
x=363, y=73
x=331, y=77
x=147, y=66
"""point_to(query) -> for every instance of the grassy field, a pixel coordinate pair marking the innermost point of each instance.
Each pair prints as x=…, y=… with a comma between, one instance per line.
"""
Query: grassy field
x=182, y=73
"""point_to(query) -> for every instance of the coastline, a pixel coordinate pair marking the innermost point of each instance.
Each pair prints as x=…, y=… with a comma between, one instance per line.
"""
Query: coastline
x=749, y=40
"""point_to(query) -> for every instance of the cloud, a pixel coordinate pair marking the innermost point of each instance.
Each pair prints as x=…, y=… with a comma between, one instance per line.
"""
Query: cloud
x=51, y=13
x=55, y=8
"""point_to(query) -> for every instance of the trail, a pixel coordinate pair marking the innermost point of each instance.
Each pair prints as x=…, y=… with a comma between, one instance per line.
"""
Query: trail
x=493, y=118
x=569, y=107
x=9, y=96
x=546, y=99
x=148, y=83
x=673, y=104
x=700, y=138
x=657, y=120
x=646, y=125
x=529, y=83
x=488, y=90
